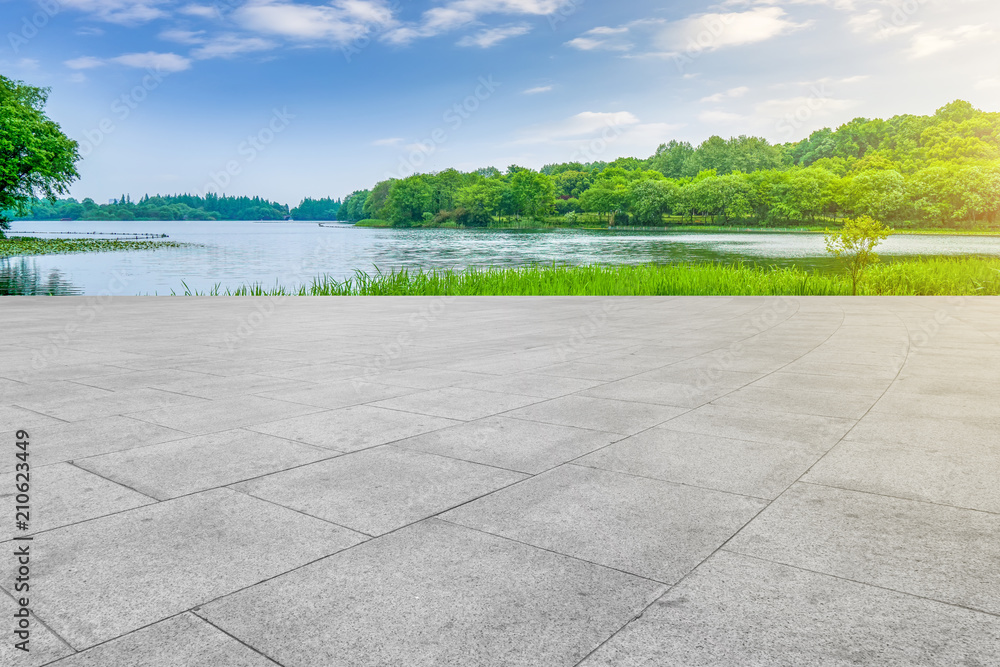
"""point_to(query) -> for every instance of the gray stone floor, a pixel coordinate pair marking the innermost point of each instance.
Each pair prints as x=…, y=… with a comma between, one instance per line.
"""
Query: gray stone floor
x=551, y=482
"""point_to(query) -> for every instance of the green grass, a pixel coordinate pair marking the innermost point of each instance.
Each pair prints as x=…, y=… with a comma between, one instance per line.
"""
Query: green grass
x=925, y=277
x=19, y=246
x=373, y=223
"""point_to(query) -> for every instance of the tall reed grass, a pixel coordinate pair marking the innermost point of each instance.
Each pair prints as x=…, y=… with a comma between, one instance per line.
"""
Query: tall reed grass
x=924, y=277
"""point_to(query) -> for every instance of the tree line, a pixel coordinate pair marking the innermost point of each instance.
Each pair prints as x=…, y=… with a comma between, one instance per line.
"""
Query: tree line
x=938, y=170
x=181, y=207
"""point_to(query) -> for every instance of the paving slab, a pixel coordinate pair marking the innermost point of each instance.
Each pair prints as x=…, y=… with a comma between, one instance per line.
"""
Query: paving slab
x=759, y=469
x=124, y=380
x=763, y=425
x=799, y=401
x=589, y=371
x=660, y=393
x=63, y=494
x=207, y=386
x=354, y=428
x=457, y=403
x=212, y=416
x=120, y=403
x=379, y=490
x=742, y=611
x=943, y=553
x=623, y=417
x=38, y=395
x=180, y=467
x=14, y=417
x=97, y=580
x=339, y=394
x=57, y=441
x=429, y=378
x=953, y=472
x=322, y=372
x=834, y=384
x=532, y=384
x=922, y=431
x=977, y=408
x=642, y=526
x=528, y=447
x=182, y=641
x=435, y=594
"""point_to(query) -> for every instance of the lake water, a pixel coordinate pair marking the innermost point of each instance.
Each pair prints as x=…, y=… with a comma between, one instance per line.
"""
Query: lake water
x=231, y=254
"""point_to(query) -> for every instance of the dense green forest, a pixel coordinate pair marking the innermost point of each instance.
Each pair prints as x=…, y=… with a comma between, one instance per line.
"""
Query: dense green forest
x=918, y=171
x=181, y=207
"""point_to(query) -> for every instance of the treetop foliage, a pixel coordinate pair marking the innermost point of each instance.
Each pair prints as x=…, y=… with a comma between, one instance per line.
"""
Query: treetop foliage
x=942, y=169
x=36, y=158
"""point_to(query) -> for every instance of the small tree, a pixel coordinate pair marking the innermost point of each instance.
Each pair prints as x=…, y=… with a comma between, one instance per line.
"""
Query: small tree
x=856, y=242
x=36, y=158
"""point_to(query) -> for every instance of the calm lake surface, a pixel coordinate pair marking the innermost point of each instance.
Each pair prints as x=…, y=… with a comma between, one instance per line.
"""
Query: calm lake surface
x=232, y=254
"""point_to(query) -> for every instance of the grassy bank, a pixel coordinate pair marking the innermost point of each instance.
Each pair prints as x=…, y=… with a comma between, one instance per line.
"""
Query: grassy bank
x=19, y=246
x=959, y=276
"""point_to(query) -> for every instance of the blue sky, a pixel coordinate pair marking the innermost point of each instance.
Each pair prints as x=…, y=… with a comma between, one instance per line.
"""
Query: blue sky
x=287, y=99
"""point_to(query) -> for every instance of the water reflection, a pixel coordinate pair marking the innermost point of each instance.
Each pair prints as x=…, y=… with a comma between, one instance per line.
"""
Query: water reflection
x=21, y=276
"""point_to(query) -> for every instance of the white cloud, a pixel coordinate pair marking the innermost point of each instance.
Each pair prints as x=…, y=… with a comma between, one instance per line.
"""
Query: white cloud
x=184, y=36
x=581, y=126
x=485, y=39
x=879, y=27
x=201, y=11
x=591, y=136
x=933, y=42
x=119, y=11
x=696, y=34
x=730, y=94
x=709, y=32
x=711, y=117
x=22, y=64
x=162, y=62
x=816, y=106
x=228, y=45
x=391, y=141
x=987, y=84
x=537, y=90
x=340, y=22
x=460, y=13
x=86, y=62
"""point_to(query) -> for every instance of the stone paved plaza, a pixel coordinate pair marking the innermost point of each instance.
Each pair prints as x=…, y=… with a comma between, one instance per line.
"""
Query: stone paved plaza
x=505, y=481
